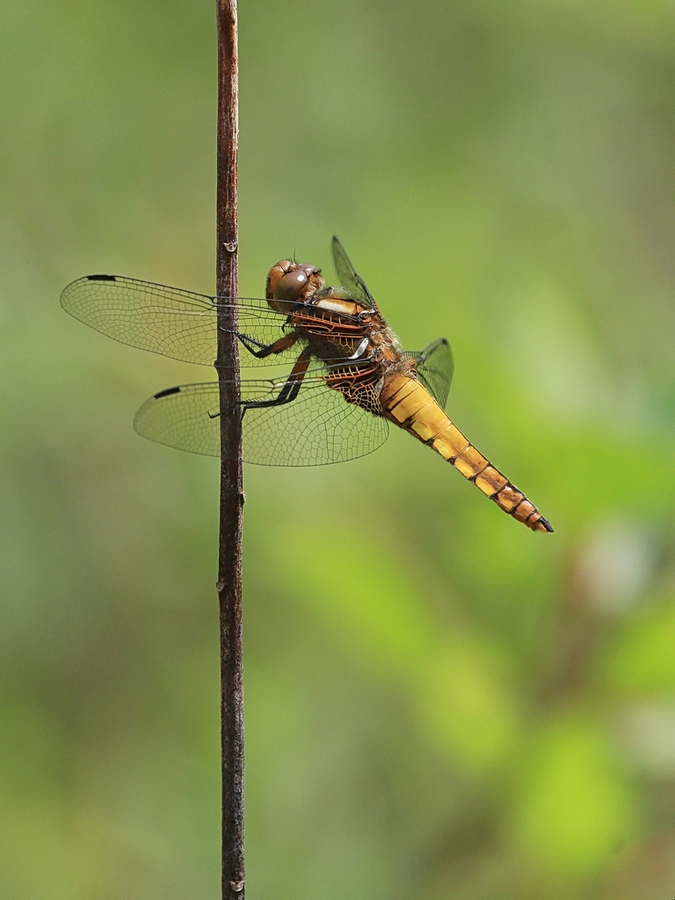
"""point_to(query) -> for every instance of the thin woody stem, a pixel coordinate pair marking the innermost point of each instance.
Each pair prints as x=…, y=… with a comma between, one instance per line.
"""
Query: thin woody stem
x=231, y=484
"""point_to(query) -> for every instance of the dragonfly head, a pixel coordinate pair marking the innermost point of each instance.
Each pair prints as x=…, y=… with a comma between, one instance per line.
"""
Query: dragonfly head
x=290, y=282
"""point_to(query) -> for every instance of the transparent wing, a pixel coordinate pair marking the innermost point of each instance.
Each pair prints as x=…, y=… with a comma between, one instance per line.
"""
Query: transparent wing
x=167, y=320
x=348, y=276
x=316, y=428
x=435, y=367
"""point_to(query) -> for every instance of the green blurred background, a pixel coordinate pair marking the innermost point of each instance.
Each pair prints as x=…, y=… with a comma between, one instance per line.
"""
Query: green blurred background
x=440, y=703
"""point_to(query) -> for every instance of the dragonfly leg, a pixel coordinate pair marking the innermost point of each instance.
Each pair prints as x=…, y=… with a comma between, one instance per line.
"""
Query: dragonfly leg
x=290, y=389
x=260, y=350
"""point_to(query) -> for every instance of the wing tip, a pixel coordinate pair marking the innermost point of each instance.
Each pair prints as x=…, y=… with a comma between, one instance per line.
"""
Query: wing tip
x=167, y=392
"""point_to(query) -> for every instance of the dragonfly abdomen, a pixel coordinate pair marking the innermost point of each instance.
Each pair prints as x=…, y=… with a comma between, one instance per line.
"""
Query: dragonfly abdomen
x=409, y=405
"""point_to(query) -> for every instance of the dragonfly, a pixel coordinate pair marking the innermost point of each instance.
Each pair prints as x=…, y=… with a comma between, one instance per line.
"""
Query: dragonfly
x=344, y=376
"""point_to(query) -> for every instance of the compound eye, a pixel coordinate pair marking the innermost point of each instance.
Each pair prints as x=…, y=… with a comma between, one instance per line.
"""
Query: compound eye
x=290, y=286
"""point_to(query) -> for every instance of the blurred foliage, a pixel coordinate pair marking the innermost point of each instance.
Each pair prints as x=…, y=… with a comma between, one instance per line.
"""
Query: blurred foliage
x=439, y=702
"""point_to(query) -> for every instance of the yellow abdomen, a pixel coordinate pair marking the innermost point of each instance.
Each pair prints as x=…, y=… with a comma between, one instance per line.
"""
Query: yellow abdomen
x=409, y=405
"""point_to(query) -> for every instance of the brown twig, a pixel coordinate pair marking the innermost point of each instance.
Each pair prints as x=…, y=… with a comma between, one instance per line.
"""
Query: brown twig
x=231, y=485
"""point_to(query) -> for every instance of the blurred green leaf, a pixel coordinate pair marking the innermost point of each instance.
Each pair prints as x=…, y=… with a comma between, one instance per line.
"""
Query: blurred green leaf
x=576, y=809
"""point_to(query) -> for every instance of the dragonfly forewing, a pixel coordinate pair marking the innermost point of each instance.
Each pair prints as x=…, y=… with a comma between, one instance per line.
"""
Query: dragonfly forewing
x=348, y=276
x=170, y=321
